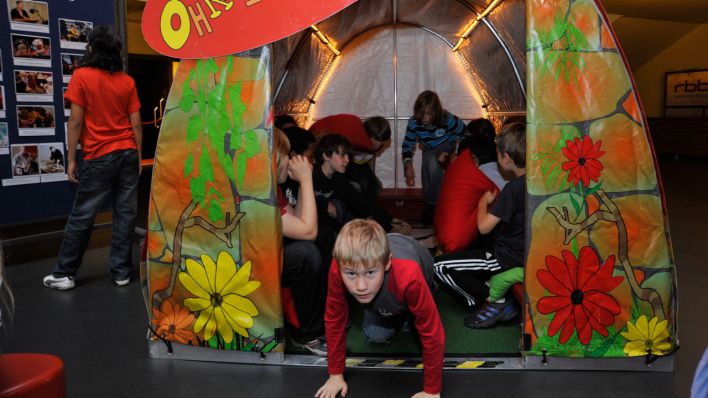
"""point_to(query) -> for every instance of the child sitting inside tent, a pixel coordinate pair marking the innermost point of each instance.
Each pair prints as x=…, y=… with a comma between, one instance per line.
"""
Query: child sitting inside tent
x=438, y=131
x=391, y=275
x=337, y=199
x=469, y=176
x=369, y=140
x=304, y=271
x=466, y=272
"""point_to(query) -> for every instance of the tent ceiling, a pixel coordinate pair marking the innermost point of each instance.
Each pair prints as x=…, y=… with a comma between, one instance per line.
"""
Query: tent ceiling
x=495, y=50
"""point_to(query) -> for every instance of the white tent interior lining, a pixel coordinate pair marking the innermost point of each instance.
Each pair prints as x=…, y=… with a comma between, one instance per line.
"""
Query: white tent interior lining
x=393, y=50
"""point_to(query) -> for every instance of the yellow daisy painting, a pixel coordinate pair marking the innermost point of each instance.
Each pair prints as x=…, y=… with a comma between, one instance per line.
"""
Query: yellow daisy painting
x=647, y=336
x=220, y=289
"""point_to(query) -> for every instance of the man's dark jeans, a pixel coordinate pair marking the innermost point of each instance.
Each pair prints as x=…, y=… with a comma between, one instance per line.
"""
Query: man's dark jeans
x=116, y=175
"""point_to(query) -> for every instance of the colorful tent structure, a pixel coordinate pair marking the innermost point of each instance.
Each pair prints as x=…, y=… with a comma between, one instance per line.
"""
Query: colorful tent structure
x=600, y=279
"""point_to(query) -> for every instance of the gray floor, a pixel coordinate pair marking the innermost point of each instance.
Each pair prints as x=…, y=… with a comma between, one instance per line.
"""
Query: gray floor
x=99, y=331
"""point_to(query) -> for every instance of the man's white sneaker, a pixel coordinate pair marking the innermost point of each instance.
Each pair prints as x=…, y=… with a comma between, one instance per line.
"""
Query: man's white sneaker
x=122, y=282
x=61, y=283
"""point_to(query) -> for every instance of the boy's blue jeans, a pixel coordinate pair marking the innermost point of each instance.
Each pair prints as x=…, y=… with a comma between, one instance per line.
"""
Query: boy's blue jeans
x=378, y=329
x=116, y=175
x=432, y=172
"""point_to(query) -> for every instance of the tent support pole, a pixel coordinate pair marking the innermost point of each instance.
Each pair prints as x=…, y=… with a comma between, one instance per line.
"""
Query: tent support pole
x=396, y=159
x=502, y=43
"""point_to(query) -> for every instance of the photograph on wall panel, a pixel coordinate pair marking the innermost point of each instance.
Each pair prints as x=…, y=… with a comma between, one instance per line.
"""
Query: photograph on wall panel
x=67, y=103
x=69, y=63
x=30, y=16
x=35, y=120
x=34, y=86
x=51, y=162
x=74, y=34
x=25, y=168
x=66, y=138
x=4, y=139
x=2, y=102
x=31, y=50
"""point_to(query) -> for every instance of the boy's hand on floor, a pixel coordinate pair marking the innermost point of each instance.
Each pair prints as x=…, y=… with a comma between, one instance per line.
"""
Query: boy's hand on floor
x=424, y=394
x=332, y=387
x=401, y=227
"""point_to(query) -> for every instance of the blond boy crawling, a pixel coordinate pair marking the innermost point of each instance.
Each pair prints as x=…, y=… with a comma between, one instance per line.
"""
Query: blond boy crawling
x=392, y=277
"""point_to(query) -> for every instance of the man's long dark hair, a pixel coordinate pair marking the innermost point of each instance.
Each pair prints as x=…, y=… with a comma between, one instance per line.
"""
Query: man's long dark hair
x=104, y=50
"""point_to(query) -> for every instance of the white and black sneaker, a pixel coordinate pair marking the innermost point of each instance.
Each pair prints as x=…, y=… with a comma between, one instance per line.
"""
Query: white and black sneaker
x=60, y=283
x=122, y=282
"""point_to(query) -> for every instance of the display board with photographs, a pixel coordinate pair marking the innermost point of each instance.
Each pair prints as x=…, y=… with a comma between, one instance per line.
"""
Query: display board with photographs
x=34, y=86
x=74, y=34
x=31, y=50
x=30, y=16
x=41, y=46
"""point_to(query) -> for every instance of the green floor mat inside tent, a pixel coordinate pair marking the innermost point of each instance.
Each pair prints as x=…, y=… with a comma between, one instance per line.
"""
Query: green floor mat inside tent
x=503, y=339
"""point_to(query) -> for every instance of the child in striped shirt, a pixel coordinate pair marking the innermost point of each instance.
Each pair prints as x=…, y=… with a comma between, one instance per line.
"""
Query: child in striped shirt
x=438, y=131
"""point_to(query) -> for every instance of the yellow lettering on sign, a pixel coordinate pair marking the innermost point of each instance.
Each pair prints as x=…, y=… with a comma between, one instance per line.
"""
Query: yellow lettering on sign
x=214, y=12
x=175, y=39
x=198, y=17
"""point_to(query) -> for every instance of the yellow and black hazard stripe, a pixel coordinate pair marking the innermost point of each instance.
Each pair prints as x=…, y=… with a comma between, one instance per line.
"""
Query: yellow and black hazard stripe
x=417, y=364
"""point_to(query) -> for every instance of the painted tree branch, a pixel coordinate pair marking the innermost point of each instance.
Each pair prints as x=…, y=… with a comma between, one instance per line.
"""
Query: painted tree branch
x=185, y=221
x=612, y=214
x=223, y=234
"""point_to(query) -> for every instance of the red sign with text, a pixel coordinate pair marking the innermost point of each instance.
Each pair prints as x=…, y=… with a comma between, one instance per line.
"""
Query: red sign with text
x=213, y=28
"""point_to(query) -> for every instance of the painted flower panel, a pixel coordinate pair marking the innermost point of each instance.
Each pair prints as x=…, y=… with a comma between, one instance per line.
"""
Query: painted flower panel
x=579, y=294
x=647, y=337
x=220, y=291
x=583, y=164
x=173, y=322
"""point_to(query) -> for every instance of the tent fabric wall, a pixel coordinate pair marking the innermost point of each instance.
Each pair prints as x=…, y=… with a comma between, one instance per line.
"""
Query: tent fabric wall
x=600, y=275
x=214, y=247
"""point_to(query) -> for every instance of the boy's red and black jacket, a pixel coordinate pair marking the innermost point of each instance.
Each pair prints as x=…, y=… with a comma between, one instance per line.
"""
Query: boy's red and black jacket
x=407, y=284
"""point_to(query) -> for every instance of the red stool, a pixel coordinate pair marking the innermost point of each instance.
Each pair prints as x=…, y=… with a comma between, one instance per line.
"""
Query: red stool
x=31, y=376
x=289, y=311
x=518, y=290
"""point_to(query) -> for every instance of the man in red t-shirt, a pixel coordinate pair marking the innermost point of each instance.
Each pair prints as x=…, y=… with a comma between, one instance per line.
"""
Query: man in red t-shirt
x=392, y=276
x=105, y=117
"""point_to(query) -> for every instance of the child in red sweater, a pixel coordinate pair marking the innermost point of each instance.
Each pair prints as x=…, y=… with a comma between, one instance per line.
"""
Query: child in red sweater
x=392, y=277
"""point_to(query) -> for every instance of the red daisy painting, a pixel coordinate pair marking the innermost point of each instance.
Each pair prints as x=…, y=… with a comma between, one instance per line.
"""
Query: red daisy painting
x=580, y=299
x=582, y=161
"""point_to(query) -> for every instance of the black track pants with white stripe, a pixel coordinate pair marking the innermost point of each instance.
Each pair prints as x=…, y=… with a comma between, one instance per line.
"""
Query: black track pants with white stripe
x=466, y=273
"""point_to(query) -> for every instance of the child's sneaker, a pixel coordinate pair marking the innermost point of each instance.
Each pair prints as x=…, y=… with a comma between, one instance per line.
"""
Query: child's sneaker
x=491, y=313
x=122, y=282
x=61, y=283
x=316, y=346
